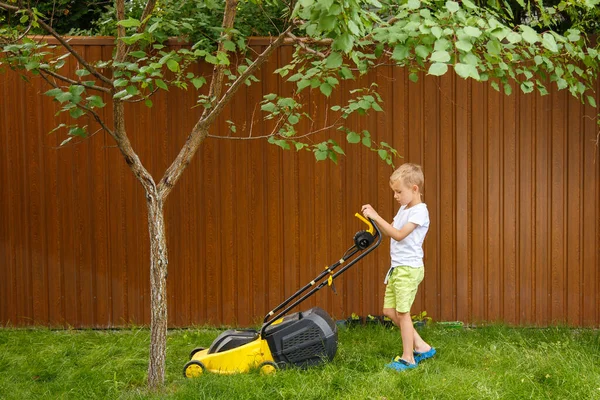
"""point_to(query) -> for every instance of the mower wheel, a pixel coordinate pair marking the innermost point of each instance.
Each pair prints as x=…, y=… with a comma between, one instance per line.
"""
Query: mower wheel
x=193, y=369
x=268, y=368
x=197, y=349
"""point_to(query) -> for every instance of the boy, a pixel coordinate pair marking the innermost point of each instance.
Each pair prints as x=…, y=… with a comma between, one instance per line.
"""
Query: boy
x=407, y=233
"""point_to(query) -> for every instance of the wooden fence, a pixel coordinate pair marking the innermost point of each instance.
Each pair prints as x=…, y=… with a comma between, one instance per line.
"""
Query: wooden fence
x=512, y=186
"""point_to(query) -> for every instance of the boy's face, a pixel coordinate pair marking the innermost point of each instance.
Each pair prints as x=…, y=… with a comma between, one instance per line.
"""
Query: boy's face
x=404, y=194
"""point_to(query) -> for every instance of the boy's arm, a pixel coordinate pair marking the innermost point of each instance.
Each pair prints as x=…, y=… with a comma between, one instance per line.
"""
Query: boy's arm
x=387, y=228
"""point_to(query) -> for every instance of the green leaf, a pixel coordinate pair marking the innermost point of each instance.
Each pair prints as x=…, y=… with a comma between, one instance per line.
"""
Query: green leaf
x=77, y=131
x=53, y=92
x=321, y=155
x=472, y=31
x=296, y=77
x=383, y=154
x=440, y=56
x=95, y=101
x=138, y=54
x=527, y=87
x=438, y=69
x=414, y=4
x=326, y=89
x=173, y=65
x=353, y=137
x=400, y=52
x=76, y=112
x=452, y=6
x=299, y=146
x=573, y=35
x=268, y=107
x=121, y=94
x=76, y=90
x=293, y=119
x=120, y=82
x=338, y=149
x=507, y=89
x=229, y=45
x=161, y=84
x=148, y=103
x=513, y=37
x=353, y=28
x=494, y=47
x=82, y=72
x=366, y=140
x=345, y=73
x=343, y=42
x=413, y=77
x=64, y=96
x=529, y=35
x=463, y=70
x=198, y=82
x=549, y=42
x=130, y=22
x=591, y=101
x=132, y=90
x=464, y=45
x=334, y=60
x=303, y=84
x=422, y=51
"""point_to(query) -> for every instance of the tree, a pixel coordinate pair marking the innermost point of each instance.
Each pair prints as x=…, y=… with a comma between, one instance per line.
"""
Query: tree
x=334, y=40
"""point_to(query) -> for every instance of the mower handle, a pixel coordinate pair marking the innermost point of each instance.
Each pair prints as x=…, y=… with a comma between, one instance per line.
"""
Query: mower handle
x=369, y=223
x=373, y=230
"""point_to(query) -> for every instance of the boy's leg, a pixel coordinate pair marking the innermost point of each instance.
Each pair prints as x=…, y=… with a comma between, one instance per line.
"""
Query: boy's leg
x=420, y=345
x=407, y=331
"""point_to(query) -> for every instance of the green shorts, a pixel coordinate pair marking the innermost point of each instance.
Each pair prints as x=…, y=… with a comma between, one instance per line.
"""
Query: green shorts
x=401, y=289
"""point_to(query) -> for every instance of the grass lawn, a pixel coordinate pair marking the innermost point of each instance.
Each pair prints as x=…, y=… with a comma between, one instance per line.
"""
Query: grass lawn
x=494, y=362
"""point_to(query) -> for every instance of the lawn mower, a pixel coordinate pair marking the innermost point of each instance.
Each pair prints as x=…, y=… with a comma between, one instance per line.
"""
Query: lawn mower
x=301, y=339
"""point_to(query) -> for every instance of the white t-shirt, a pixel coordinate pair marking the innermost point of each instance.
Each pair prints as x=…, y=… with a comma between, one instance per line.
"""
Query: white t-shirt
x=409, y=251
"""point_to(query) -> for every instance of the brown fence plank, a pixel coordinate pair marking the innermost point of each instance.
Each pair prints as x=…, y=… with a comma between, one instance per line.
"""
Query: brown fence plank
x=447, y=206
x=542, y=209
x=558, y=209
x=462, y=95
x=525, y=200
x=478, y=210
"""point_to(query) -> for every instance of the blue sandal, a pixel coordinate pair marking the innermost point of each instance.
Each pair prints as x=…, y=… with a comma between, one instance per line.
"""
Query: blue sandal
x=398, y=364
x=424, y=355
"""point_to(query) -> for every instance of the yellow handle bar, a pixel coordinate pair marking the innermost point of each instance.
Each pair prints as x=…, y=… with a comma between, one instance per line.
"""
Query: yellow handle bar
x=371, y=230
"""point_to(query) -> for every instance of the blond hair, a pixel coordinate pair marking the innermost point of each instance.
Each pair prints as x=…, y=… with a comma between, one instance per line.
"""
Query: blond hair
x=410, y=174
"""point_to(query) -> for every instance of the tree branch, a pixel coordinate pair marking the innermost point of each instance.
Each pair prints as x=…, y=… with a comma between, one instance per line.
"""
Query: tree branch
x=61, y=40
x=303, y=45
x=121, y=50
x=124, y=145
x=212, y=113
x=144, y=21
x=87, y=109
x=200, y=130
x=216, y=84
x=74, y=82
x=146, y=14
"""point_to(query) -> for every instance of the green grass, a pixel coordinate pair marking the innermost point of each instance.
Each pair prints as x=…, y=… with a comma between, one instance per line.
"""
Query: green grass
x=494, y=362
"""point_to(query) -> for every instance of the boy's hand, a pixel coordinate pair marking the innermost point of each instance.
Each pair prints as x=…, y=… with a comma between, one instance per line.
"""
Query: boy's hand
x=369, y=212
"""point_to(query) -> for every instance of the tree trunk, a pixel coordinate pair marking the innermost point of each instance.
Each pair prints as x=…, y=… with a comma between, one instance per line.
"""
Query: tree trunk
x=158, y=286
